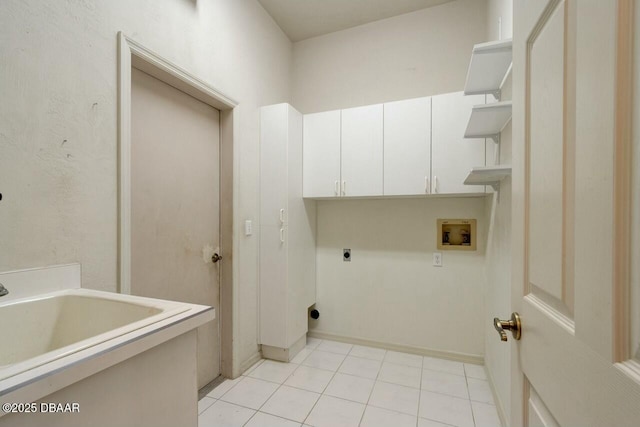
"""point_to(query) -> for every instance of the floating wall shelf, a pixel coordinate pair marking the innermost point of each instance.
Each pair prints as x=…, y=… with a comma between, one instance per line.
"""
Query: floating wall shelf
x=489, y=175
x=488, y=120
x=488, y=68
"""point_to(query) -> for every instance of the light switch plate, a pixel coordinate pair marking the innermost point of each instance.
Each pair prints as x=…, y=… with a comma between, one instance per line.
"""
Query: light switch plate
x=437, y=259
x=248, y=228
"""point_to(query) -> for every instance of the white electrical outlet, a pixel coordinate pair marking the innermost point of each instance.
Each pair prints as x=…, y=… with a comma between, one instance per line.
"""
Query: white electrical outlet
x=248, y=228
x=437, y=259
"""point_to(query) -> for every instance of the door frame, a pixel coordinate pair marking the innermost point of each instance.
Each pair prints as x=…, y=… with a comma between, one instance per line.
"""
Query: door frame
x=132, y=54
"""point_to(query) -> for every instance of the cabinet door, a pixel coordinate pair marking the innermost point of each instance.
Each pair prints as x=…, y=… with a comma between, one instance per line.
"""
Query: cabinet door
x=453, y=156
x=321, y=154
x=274, y=130
x=362, y=151
x=273, y=286
x=407, y=147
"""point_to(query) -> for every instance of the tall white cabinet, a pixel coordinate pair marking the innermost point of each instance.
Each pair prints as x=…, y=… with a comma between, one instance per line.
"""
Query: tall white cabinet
x=287, y=235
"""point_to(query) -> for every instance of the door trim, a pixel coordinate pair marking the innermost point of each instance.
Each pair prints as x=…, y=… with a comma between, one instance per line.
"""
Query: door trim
x=132, y=54
x=622, y=183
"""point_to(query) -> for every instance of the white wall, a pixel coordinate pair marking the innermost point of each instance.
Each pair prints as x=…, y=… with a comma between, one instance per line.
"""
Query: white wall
x=417, y=54
x=497, y=293
x=58, y=146
x=499, y=19
x=390, y=292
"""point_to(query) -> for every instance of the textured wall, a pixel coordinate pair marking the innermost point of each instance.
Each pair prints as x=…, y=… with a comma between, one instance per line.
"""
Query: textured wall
x=417, y=54
x=390, y=292
x=58, y=121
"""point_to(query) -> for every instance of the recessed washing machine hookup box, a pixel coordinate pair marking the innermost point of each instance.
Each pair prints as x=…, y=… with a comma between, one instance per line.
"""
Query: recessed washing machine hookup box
x=457, y=234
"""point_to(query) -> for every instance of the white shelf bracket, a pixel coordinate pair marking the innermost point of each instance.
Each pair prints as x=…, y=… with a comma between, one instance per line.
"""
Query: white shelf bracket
x=496, y=138
x=496, y=188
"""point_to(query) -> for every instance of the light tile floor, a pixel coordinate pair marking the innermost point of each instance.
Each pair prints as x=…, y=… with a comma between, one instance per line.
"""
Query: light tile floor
x=332, y=384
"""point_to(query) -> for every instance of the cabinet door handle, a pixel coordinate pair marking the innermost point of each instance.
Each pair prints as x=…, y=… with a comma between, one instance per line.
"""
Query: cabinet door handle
x=336, y=188
x=435, y=185
x=426, y=185
x=344, y=188
x=282, y=216
x=282, y=235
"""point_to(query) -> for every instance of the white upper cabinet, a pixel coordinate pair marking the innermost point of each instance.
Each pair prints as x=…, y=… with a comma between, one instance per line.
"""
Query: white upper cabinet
x=321, y=154
x=453, y=156
x=362, y=149
x=404, y=148
x=407, y=147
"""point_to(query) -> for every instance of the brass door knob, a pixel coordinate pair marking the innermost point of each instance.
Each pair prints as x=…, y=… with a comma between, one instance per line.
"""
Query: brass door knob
x=215, y=258
x=514, y=325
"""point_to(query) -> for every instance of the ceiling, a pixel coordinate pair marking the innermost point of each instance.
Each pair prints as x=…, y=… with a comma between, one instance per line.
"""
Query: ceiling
x=302, y=19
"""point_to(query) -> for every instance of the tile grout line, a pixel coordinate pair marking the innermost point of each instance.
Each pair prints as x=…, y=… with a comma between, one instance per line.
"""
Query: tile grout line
x=343, y=373
x=206, y=397
x=420, y=392
x=374, y=386
x=258, y=410
x=447, y=372
x=279, y=387
x=334, y=373
x=448, y=395
x=332, y=377
x=466, y=380
x=322, y=394
x=248, y=372
x=271, y=395
x=218, y=398
x=276, y=390
x=311, y=367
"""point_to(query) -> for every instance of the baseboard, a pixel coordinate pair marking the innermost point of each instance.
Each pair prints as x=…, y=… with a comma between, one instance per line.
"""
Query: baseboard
x=450, y=355
x=496, y=398
x=248, y=363
x=284, y=354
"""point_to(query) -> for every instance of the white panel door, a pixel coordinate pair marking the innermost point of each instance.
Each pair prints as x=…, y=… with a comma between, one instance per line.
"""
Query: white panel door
x=321, y=154
x=407, y=147
x=175, y=203
x=274, y=134
x=570, y=216
x=362, y=151
x=453, y=156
